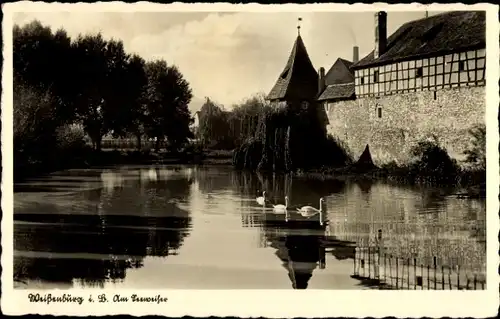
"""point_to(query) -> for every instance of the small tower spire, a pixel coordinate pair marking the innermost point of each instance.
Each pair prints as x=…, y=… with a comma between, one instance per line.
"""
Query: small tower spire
x=298, y=25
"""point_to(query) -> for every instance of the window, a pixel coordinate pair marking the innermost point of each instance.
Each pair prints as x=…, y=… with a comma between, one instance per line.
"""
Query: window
x=375, y=76
x=362, y=80
x=304, y=105
x=419, y=72
x=461, y=66
x=379, y=112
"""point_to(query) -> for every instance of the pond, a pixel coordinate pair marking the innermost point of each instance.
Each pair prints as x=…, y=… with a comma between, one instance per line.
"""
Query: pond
x=188, y=227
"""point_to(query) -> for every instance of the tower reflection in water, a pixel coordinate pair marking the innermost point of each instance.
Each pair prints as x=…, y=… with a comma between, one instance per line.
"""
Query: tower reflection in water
x=298, y=244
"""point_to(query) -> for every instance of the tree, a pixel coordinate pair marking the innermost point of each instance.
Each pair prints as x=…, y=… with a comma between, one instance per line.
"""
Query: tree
x=476, y=152
x=244, y=118
x=213, y=127
x=167, y=96
x=91, y=68
x=108, y=93
x=133, y=116
x=34, y=124
x=42, y=60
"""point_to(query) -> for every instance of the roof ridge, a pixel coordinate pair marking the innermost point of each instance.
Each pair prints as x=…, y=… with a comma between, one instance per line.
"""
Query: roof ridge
x=406, y=42
x=340, y=84
x=345, y=60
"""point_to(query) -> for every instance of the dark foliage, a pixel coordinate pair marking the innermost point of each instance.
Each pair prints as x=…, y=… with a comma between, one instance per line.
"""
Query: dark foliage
x=65, y=90
x=288, y=139
x=432, y=159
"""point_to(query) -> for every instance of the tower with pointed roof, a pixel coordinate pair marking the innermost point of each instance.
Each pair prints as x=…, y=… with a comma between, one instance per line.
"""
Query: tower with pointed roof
x=297, y=84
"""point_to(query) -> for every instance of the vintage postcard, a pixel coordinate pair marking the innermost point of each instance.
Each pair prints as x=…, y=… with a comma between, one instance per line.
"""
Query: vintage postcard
x=250, y=160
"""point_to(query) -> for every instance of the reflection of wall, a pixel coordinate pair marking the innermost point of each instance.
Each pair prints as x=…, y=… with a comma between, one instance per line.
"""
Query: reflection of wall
x=415, y=222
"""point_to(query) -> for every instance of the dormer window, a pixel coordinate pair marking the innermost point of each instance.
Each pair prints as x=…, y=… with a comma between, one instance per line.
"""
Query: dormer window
x=285, y=73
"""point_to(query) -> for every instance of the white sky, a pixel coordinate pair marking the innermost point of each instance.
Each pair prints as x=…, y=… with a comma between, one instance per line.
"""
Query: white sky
x=228, y=56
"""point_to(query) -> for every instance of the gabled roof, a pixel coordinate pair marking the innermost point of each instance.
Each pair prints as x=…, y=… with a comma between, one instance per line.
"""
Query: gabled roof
x=436, y=35
x=299, y=79
x=339, y=81
x=341, y=91
x=339, y=73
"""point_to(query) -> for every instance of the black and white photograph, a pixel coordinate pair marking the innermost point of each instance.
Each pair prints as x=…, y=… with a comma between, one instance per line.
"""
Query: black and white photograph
x=262, y=150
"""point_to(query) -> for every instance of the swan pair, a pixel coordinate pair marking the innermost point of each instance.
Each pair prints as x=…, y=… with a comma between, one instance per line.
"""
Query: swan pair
x=261, y=200
x=306, y=211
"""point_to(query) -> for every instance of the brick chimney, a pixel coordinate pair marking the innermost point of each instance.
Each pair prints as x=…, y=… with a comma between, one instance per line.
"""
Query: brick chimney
x=321, y=80
x=355, y=54
x=380, y=33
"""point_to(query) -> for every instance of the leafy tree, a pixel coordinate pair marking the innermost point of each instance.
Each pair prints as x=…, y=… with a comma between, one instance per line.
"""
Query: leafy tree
x=34, y=124
x=213, y=127
x=42, y=60
x=167, y=96
x=244, y=118
x=135, y=111
x=107, y=89
x=91, y=68
x=476, y=153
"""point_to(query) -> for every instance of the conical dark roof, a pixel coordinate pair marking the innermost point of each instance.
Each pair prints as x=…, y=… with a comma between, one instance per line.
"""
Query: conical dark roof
x=299, y=79
x=365, y=160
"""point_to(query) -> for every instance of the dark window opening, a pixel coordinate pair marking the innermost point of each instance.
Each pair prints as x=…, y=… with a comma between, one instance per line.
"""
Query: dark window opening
x=461, y=66
x=379, y=112
x=285, y=73
x=375, y=76
x=362, y=80
x=419, y=72
x=435, y=95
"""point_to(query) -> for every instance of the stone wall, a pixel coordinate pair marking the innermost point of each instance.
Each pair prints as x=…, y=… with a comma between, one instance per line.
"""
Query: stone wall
x=446, y=114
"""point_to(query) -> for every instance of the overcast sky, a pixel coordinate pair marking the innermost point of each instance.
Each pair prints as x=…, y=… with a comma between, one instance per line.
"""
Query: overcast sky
x=228, y=56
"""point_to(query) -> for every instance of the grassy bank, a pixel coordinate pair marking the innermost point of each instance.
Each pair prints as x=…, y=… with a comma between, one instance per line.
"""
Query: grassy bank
x=473, y=182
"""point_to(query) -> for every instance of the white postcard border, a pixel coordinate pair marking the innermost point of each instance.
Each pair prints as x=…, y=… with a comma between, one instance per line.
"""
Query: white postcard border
x=267, y=303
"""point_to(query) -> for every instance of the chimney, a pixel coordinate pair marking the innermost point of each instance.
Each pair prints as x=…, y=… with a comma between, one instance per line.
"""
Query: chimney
x=380, y=33
x=321, y=81
x=355, y=54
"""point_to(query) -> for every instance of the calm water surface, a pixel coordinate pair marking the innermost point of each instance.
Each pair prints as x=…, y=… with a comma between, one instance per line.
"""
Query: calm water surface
x=200, y=228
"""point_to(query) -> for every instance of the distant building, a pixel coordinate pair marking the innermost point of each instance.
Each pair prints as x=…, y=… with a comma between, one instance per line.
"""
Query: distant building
x=426, y=80
x=196, y=121
x=338, y=83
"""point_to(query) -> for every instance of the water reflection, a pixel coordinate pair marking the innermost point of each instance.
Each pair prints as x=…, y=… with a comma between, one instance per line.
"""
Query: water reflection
x=131, y=216
x=298, y=245
x=93, y=227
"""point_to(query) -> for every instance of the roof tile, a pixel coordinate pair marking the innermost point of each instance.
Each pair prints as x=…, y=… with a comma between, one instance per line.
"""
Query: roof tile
x=299, y=79
x=440, y=34
x=338, y=91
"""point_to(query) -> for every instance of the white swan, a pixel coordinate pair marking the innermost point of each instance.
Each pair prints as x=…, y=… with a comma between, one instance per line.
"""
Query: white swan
x=308, y=211
x=261, y=200
x=280, y=207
